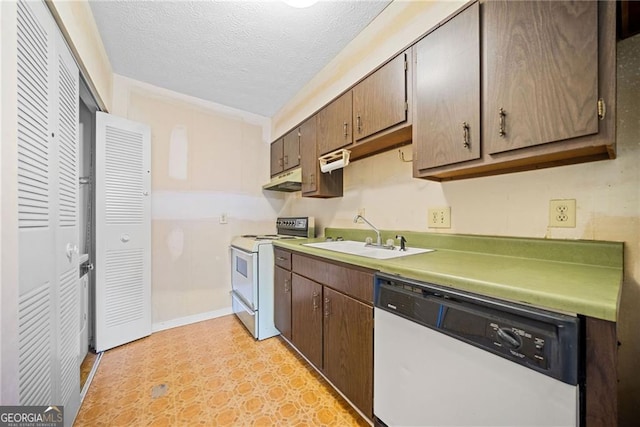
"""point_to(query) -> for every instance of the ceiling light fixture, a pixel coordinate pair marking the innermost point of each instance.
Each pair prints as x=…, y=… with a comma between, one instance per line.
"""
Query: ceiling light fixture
x=300, y=3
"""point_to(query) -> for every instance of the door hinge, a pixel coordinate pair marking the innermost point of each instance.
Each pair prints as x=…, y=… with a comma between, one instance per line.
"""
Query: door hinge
x=602, y=109
x=406, y=106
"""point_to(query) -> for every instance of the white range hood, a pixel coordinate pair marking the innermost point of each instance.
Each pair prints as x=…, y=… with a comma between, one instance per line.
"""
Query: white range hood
x=289, y=181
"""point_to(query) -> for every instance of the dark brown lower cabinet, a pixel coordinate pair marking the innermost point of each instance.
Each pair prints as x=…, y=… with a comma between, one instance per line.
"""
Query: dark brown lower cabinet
x=348, y=348
x=601, y=384
x=306, y=318
x=325, y=310
x=332, y=323
x=282, y=301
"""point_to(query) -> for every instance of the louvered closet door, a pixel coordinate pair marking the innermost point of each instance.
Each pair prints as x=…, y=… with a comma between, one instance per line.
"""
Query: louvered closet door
x=123, y=233
x=37, y=206
x=67, y=231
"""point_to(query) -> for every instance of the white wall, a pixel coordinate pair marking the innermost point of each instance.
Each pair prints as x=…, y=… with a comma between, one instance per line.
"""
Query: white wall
x=607, y=193
x=76, y=22
x=206, y=160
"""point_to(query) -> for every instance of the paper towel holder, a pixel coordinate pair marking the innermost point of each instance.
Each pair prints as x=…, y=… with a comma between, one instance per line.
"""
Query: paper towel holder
x=334, y=160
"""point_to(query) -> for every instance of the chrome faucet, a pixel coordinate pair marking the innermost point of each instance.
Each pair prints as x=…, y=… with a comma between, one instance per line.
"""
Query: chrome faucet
x=378, y=241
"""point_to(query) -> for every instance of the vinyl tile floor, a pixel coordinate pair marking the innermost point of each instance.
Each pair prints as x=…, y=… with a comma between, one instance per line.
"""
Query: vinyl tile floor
x=211, y=373
x=85, y=367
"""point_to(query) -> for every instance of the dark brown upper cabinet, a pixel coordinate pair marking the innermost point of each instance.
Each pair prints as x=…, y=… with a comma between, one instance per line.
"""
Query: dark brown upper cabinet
x=314, y=182
x=446, y=124
x=373, y=116
x=380, y=100
x=540, y=72
x=547, y=90
x=285, y=152
x=277, y=162
x=335, y=124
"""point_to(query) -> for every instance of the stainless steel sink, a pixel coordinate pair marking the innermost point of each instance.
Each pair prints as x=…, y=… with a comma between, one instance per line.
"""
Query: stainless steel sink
x=361, y=249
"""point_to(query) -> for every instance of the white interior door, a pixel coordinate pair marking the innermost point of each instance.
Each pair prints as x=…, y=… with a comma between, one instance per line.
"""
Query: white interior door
x=37, y=206
x=48, y=96
x=67, y=230
x=123, y=231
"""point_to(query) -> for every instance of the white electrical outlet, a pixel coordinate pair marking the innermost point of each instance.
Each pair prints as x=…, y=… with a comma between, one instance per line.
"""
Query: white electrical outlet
x=223, y=218
x=439, y=217
x=562, y=213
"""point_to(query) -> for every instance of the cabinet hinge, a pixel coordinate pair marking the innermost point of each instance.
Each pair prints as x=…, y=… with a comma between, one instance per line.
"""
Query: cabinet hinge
x=602, y=109
x=406, y=106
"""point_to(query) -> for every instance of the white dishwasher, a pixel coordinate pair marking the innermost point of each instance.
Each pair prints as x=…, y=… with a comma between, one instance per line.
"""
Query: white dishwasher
x=448, y=358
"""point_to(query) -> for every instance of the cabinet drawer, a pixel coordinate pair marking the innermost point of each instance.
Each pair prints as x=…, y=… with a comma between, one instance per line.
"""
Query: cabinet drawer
x=354, y=282
x=282, y=258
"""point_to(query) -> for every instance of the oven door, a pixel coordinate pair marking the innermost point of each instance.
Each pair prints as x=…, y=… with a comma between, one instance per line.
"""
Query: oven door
x=244, y=276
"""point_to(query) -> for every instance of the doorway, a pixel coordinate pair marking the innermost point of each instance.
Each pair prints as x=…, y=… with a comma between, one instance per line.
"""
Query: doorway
x=88, y=358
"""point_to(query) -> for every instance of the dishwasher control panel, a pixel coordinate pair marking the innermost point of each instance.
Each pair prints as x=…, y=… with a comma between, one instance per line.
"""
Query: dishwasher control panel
x=527, y=344
x=544, y=341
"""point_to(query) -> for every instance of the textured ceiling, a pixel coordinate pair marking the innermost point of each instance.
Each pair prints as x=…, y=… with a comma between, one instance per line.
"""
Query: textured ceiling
x=249, y=55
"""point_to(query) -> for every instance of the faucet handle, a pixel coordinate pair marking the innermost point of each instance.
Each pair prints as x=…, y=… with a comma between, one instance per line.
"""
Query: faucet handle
x=403, y=241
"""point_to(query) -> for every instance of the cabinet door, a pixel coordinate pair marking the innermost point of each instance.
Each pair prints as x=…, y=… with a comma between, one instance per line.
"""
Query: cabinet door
x=446, y=127
x=306, y=318
x=291, y=149
x=380, y=100
x=540, y=73
x=348, y=348
x=314, y=182
x=282, y=301
x=335, y=125
x=309, y=156
x=277, y=161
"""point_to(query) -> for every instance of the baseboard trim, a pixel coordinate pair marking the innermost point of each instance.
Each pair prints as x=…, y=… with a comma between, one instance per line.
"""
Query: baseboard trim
x=183, y=321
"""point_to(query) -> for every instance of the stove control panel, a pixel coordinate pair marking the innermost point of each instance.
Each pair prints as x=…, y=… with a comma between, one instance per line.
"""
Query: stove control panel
x=296, y=226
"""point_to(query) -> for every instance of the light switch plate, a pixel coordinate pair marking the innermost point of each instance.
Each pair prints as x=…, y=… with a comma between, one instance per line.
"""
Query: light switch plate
x=439, y=217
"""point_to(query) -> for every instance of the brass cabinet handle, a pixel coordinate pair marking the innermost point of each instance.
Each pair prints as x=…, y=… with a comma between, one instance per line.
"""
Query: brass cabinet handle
x=286, y=159
x=287, y=288
x=280, y=162
x=502, y=115
x=281, y=258
x=315, y=301
x=327, y=307
x=346, y=129
x=359, y=123
x=465, y=132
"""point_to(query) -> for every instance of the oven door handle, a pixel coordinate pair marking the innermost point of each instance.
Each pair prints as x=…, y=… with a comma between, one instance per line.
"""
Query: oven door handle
x=235, y=248
x=245, y=306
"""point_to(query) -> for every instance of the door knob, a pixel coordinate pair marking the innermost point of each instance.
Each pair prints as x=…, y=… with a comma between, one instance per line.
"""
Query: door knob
x=125, y=238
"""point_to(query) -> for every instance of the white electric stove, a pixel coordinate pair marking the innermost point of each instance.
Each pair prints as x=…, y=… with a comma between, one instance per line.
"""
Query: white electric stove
x=252, y=273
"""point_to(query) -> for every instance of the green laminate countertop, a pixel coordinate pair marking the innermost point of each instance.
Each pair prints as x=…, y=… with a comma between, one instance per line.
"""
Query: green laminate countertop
x=571, y=276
